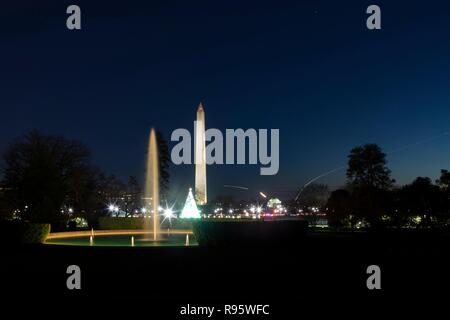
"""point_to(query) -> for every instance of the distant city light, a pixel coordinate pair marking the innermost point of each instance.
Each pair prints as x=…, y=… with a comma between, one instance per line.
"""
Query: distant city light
x=113, y=208
x=417, y=219
x=168, y=214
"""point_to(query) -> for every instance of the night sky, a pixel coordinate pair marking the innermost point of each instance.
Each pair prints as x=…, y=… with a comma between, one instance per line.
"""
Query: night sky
x=311, y=69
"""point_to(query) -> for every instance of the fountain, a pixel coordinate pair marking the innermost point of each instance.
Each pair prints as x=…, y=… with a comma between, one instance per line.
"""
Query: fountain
x=151, y=197
x=151, y=235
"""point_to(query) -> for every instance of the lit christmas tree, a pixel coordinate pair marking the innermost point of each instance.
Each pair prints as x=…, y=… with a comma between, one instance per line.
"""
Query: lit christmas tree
x=190, y=210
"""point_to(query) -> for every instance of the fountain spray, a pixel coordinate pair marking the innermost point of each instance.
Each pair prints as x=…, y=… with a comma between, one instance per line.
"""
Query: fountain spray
x=152, y=183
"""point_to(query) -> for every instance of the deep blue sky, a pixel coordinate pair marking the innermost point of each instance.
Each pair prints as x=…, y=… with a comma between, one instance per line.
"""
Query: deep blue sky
x=311, y=69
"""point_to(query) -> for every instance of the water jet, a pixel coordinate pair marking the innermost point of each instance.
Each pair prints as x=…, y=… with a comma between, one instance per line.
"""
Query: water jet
x=151, y=196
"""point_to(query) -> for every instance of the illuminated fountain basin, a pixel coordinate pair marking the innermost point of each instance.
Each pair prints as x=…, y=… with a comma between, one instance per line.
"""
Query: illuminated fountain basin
x=151, y=235
x=122, y=238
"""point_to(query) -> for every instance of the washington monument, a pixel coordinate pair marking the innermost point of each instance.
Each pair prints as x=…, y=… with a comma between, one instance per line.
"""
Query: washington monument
x=200, y=157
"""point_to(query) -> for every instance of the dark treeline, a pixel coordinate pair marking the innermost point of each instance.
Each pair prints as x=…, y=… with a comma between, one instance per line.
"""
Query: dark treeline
x=371, y=198
x=51, y=179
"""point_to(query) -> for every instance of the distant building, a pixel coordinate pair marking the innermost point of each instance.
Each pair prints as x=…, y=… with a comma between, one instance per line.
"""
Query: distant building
x=274, y=203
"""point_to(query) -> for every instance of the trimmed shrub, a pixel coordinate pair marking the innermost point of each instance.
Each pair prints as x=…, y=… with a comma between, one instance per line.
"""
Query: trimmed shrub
x=120, y=223
x=34, y=232
x=249, y=232
x=23, y=232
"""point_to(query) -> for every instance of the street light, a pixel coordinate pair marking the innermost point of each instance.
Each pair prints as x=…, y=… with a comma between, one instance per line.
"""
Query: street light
x=168, y=214
x=113, y=208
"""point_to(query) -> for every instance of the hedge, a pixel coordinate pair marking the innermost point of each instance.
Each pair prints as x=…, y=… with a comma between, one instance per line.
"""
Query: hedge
x=23, y=232
x=120, y=223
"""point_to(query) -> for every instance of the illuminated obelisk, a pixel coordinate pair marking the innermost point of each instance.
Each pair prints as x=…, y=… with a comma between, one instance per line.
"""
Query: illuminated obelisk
x=200, y=157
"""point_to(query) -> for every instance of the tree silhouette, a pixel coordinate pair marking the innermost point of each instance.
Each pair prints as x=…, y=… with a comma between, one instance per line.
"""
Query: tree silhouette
x=367, y=168
x=370, y=181
x=444, y=180
x=421, y=199
x=43, y=172
x=339, y=207
x=314, y=195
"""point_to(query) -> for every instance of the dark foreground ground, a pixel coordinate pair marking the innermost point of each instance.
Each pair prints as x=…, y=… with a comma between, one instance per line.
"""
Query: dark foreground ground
x=325, y=274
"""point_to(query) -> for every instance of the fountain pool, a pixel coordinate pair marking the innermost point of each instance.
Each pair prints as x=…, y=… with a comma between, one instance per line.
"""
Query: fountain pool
x=150, y=236
x=120, y=238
